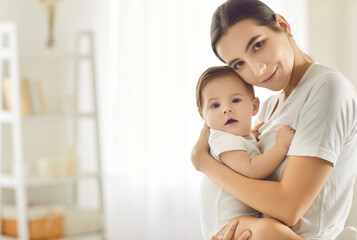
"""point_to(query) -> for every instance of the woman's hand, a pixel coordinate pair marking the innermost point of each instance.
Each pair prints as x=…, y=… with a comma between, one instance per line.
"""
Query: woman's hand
x=255, y=129
x=230, y=233
x=249, y=227
x=200, y=147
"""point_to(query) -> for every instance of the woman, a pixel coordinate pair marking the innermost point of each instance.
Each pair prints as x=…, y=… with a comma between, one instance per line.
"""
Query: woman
x=312, y=190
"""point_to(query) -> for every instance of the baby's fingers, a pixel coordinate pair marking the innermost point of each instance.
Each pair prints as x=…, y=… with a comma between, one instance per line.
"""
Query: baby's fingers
x=256, y=127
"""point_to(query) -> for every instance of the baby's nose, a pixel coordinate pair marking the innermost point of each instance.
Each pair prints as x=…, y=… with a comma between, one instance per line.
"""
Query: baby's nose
x=227, y=110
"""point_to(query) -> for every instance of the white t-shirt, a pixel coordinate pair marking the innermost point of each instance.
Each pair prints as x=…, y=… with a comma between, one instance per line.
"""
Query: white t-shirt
x=323, y=110
x=217, y=206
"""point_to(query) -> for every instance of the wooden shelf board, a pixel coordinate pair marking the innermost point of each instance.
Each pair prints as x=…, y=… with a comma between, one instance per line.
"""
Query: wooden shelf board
x=38, y=182
x=6, y=116
x=89, y=236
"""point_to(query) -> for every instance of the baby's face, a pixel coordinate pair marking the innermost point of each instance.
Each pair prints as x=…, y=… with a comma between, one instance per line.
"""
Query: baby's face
x=228, y=106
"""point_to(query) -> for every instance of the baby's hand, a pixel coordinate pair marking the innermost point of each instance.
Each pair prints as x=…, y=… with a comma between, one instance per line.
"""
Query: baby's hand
x=285, y=135
x=255, y=130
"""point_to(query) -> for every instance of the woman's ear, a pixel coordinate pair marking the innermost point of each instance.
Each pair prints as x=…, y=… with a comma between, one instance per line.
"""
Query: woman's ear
x=256, y=104
x=282, y=23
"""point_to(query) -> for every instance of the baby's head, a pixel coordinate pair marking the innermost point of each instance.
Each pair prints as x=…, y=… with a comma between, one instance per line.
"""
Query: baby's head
x=225, y=101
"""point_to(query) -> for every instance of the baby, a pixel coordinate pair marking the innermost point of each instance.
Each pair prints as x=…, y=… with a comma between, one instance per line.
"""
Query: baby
x=226, y=103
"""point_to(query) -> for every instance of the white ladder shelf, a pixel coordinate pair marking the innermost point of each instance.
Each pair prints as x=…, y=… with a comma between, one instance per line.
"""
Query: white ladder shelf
x=17, y=180
x=9, y=52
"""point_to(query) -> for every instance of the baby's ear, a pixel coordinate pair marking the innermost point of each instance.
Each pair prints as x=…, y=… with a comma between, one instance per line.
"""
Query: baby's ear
x=200, y=112
x=256, y=104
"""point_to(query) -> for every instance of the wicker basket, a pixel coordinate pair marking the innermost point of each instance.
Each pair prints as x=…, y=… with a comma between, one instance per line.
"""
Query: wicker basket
x=48, y=225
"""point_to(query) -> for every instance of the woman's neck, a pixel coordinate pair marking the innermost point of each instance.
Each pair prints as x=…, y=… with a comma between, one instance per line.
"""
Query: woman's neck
x=301, y=64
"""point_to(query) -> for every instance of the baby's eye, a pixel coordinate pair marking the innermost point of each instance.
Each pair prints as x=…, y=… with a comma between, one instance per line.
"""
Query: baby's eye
x=236, y=100
x=238, y=65
x=258, y=45
x=215, y=105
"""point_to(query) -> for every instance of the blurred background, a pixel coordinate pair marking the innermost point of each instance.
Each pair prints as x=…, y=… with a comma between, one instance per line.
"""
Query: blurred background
x=120, y=158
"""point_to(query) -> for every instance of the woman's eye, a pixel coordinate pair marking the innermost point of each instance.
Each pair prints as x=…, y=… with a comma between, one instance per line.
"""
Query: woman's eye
x=238, y=65
x=215, y=105
x=258, y=45
x=236, y=100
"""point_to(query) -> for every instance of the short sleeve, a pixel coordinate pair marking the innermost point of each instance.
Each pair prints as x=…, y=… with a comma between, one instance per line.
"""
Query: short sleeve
x=220, y=142
x=323, y=123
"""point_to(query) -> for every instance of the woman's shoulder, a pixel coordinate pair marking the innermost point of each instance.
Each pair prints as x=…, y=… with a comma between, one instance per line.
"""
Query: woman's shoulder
x=323, y=74
x=321, y=78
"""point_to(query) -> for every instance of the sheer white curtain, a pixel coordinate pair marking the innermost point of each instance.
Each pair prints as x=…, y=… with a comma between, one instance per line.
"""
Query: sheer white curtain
x=156, y=53
x=152, y=53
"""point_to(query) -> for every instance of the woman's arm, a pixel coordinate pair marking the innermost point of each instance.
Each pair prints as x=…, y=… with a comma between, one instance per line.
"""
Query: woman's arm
x=287, y=200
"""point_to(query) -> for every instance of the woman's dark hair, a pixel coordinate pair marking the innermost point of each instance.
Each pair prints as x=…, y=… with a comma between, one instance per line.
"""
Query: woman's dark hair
x=234, y=11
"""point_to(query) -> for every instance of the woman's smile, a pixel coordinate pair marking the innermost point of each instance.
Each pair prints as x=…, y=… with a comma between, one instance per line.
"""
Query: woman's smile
x=271, y=77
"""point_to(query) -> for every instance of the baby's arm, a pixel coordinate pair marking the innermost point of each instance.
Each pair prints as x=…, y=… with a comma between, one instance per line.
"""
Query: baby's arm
x=263, y=165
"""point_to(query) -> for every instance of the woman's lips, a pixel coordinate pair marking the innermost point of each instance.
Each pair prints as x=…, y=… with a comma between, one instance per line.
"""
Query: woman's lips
x=271, y=77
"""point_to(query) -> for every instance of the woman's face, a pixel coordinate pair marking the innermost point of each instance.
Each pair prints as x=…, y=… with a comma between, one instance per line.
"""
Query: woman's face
x=261, y=56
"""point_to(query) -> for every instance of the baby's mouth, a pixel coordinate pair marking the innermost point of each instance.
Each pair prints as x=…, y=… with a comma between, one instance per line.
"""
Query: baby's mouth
x=230, y=121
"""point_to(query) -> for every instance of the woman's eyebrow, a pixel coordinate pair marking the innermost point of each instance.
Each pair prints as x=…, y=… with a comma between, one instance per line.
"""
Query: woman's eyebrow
x=250, y=42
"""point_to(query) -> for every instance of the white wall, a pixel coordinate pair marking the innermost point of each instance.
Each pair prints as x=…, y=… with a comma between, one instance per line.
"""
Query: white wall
x=333, y=35
x=333, y=38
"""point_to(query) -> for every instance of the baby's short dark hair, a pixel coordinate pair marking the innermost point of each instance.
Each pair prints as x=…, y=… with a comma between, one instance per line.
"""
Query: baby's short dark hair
x=213, y=73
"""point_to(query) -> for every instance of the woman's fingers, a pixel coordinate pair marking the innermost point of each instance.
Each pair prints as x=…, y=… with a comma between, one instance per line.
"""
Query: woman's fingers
x=205, y=132
x=245, y=236
x=200, y=146
x=230, y=232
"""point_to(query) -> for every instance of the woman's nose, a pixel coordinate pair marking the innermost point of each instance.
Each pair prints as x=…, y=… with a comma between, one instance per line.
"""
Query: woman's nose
x=259, y=69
